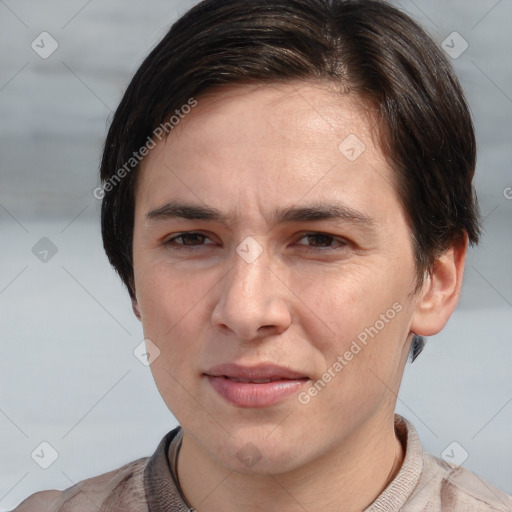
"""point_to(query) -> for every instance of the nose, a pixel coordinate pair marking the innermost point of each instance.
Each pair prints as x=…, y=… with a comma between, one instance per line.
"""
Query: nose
x=253, y=301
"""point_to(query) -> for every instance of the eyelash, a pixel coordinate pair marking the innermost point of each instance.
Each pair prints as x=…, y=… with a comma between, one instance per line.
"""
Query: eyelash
x=341, y=241
x=171, y=242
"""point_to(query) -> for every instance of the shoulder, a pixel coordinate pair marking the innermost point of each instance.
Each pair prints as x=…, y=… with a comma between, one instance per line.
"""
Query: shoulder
x=121, y=489
x=460, y=489
x=427, y=483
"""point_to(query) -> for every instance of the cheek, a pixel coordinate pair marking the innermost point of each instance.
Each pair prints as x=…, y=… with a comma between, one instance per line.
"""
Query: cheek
x=365, y=314
x=170, y=306
x=173, y=316
x=166, y=292
x=361, y=363
x=346, y=300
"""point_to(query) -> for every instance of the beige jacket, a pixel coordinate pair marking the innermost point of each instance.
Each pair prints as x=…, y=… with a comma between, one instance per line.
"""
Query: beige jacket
x=423, y=484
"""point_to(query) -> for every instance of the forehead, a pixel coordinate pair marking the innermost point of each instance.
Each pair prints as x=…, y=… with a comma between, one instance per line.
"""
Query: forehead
x=263, y=145
x=276, y=114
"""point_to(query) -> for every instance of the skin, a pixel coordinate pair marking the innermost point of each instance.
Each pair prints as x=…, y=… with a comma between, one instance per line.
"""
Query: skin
x=247, y=151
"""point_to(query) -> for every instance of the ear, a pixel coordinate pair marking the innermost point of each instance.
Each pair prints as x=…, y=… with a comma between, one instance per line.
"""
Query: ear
x=135, y=308
x=441, y=290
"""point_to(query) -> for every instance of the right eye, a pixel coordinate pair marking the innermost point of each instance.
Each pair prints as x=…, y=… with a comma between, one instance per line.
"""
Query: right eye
x=187, y=240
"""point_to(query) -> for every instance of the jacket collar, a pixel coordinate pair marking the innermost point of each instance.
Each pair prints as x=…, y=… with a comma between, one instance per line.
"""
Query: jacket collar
x=160, y=486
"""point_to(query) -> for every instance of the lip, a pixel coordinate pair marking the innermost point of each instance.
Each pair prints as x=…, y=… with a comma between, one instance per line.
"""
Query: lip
x=284, y=382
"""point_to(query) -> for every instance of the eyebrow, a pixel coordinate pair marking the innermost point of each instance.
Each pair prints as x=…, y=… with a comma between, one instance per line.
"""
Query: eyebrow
x=317, y=212
x=175, y=209
x=314, y=212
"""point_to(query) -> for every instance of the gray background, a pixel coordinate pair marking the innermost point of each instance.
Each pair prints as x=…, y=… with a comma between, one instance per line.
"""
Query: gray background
x=68, y=375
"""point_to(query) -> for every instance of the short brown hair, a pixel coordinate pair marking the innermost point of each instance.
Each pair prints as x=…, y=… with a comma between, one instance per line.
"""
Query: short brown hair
x=368, y=47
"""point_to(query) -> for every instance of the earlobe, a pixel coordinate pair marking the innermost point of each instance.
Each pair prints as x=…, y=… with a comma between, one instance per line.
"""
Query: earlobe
x=135, y=308
x=441, y=290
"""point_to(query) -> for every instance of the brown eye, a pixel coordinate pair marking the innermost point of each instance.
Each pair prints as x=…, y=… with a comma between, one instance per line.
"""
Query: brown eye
x=187, y=239
x=323, y=241
x=320, y=240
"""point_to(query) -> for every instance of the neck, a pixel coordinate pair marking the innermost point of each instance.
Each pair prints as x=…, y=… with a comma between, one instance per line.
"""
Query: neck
x=346, y=479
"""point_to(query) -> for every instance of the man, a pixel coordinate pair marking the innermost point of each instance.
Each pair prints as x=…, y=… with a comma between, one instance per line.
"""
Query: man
x=287, y=197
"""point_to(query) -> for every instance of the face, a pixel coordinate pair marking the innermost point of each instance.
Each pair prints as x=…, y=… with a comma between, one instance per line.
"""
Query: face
x=269, y=243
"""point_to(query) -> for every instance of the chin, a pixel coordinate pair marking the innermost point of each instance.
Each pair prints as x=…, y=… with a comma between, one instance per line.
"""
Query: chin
x=259, y=455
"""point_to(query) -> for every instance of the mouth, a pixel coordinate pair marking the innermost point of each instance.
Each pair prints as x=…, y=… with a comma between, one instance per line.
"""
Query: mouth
x=255, y=386
x=261, y=372
x=255, y=381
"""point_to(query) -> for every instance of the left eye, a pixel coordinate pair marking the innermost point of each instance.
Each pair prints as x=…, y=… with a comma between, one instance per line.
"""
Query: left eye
x=323, y=241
